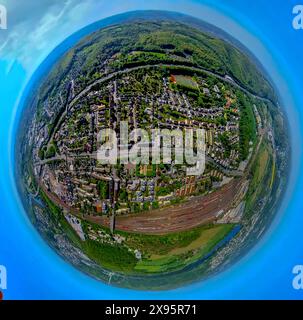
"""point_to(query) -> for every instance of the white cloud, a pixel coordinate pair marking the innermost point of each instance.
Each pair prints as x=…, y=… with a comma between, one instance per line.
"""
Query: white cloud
x=33, y=29
x=37, y=27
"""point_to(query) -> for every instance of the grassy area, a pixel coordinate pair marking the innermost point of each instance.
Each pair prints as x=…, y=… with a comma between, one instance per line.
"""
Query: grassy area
x=113, y=257
x=161, y=253
x=180, y=256
x=161, y=244
x=205, y=241
x=185, y=81
x=55, y=210
x=247, y=126
x=273, y=174
x=261, y=171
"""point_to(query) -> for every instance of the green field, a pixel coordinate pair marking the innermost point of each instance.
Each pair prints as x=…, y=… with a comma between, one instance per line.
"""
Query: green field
x=180, y=256
x=161, y=253
x=247, y=126
x=262, y=176
x=186, y=81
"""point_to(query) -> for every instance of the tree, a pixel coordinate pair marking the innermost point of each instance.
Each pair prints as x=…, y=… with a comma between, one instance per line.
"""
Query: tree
x=103, y=189
x=51, y=152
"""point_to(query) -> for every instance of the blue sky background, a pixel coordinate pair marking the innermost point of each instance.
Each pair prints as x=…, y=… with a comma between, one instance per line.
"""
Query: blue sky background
x=34, y=30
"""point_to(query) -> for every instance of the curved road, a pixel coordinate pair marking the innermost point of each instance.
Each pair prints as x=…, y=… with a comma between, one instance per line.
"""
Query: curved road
x=127, y=70
x=202, y=209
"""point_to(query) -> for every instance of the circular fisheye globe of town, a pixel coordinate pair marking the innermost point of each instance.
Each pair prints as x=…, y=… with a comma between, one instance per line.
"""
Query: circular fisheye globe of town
x=153, y=153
